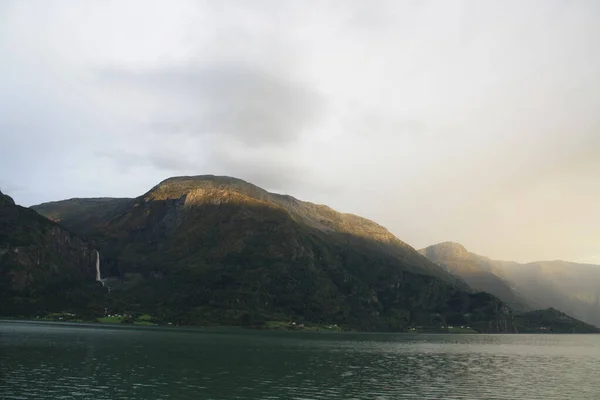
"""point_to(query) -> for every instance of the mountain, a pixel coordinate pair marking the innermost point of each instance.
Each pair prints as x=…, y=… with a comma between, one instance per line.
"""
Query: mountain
x=208, y=249
x=479, y=272
x=570, y=287
x=82, y=215
x=42, y=265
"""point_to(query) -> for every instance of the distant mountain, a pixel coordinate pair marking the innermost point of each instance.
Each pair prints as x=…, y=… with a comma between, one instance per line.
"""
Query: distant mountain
x=42, y=265
x=479, y=272
x=209, y=249
x=569, y=287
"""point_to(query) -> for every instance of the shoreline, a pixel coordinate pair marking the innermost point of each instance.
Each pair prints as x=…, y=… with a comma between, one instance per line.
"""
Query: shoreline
x=237, y=328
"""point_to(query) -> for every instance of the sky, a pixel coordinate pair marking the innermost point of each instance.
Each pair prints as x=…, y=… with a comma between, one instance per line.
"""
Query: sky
x=469, y=121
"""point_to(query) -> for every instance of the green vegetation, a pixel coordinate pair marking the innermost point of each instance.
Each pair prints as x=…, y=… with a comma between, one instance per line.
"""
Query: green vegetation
x=62, y=316
x=277, y=325
x=460, y=329
x=142, y=320
x=308, y=327
x=145, y=320
x=143, y=323
x=443, y=329
x=111, y=320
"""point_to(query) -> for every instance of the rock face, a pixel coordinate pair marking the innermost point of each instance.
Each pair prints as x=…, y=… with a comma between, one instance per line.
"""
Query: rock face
x=36, y=255
x=569, y=287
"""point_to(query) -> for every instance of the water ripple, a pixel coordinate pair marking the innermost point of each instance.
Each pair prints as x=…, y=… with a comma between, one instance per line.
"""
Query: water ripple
x=65, y=362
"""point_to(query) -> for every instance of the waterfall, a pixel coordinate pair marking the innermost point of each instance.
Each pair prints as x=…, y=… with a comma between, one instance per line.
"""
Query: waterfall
x=98, y=275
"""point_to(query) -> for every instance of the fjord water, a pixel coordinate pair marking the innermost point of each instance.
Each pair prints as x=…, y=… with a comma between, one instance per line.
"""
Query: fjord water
x=62, y=361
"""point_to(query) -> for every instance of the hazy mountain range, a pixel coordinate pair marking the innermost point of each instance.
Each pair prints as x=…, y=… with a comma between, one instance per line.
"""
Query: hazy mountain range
x=570, y=287
x=218, y=250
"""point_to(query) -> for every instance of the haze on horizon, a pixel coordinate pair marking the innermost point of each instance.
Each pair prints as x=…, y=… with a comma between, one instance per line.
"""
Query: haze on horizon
x=470, y=121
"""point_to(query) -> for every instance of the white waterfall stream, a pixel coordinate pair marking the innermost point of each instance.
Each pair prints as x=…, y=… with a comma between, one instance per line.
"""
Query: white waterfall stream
x=98, y=274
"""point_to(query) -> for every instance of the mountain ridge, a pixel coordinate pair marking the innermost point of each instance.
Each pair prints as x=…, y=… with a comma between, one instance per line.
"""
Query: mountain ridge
x=208, y=249
x=288, y=202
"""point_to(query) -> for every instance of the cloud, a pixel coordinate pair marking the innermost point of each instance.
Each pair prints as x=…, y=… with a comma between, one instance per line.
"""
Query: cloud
x=7, y=187
x=126, y=160
x=467, y=121
x=254, y=106
x=218, y=118
x=267, y=167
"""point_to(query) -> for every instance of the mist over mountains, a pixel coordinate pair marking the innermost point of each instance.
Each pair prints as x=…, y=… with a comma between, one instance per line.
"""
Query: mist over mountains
x=570, y=287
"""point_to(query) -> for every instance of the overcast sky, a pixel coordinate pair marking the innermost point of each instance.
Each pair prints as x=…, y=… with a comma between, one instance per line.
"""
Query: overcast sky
x=471, y=121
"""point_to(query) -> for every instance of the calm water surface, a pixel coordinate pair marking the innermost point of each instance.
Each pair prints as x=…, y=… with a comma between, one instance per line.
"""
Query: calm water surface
x=51, y=361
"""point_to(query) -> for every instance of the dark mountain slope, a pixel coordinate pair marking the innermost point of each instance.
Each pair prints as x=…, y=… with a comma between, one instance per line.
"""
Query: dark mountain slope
x=321, y=220
x=42, y=266
x=551, y=321
x=82, y=215
x=219, y=250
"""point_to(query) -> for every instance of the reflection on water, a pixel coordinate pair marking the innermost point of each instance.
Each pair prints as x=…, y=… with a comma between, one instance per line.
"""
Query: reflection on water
x=49, y=361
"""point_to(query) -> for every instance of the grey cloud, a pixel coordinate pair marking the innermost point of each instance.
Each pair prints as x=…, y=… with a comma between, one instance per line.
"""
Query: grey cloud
x=268, y=172
x=230, y=119
x=10, y=188
x=276, y=172
x=263, y=168
x=379, y=123
x=126, y=160
x=253, y=105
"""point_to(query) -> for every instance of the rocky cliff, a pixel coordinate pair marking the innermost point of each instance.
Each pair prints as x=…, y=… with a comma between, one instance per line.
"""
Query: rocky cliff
x=38, y=258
